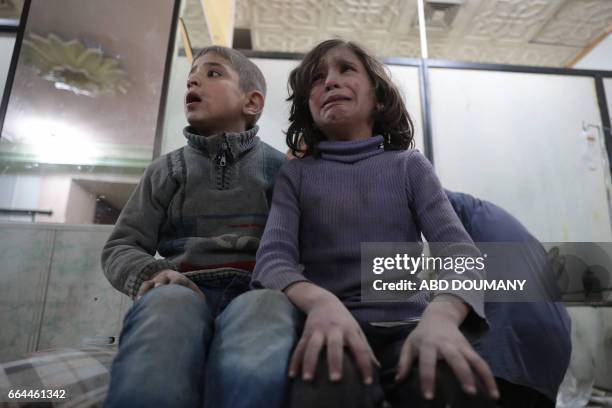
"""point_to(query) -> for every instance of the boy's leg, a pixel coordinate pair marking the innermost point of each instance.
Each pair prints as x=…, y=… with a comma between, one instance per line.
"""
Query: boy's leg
x=249, y=355
x=162, y=350
x=350, y=391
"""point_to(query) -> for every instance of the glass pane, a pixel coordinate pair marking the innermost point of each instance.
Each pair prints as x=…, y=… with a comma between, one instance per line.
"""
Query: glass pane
x=519, y=32
x=7, y=43
x=82, y=115
x=10, y=12
x=501, y=148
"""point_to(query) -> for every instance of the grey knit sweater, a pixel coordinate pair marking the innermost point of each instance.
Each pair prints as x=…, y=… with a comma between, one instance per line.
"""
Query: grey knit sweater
x=201, y=207
x=325, y=207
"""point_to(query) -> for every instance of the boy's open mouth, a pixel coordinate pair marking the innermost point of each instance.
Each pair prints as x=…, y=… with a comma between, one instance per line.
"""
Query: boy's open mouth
x=192, y=97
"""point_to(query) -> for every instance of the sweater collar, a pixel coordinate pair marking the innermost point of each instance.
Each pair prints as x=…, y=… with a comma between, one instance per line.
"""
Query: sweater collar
x=237, y=143
x=351, y=151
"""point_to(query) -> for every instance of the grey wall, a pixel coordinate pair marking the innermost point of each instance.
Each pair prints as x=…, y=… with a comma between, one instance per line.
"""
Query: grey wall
x=52, y=289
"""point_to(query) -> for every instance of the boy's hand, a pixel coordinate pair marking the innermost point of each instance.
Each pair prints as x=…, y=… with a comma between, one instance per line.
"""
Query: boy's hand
x=167, y=277
x=437, y=336
x=329, y=324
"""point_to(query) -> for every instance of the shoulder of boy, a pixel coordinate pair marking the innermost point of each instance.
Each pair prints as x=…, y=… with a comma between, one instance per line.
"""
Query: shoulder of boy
x=167, y=166
x=273, y=159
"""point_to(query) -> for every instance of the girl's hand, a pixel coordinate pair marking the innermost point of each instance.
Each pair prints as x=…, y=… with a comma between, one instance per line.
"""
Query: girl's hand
x=437, y=336
x=329, y=324
x=167, y=277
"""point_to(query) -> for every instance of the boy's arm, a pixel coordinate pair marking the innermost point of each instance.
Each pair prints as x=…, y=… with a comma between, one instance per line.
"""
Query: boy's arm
x=128, y=256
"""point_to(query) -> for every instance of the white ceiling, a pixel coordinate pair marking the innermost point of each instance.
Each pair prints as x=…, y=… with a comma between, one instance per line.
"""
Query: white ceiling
x=526, y=32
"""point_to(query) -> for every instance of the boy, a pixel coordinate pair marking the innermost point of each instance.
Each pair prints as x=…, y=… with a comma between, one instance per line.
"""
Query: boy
x=203, y=208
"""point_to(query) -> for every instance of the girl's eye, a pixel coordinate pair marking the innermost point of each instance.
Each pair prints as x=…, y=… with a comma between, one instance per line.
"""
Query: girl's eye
x=346, y=67
x=213, y=74
x=317, y=77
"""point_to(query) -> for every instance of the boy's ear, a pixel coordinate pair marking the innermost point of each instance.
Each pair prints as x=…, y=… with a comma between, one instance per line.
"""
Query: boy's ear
x=254, y=103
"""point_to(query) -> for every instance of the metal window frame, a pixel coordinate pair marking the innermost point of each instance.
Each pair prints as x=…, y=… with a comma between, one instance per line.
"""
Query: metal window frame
x=20, y=31
x=423, y=66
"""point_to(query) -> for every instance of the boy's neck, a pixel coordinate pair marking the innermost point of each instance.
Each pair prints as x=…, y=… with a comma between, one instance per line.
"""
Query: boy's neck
x=213, y=132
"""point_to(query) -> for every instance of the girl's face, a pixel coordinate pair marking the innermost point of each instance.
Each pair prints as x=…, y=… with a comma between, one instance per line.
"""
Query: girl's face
x=342, y=97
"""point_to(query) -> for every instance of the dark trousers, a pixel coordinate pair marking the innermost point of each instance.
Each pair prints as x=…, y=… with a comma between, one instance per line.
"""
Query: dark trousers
x=514, y=395
x=351, y=392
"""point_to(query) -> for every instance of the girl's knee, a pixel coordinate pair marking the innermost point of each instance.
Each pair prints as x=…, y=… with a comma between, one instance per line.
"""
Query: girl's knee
x=349, y=391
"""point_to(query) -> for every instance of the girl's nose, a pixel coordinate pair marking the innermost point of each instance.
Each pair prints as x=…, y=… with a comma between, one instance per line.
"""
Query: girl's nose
x=331, y=82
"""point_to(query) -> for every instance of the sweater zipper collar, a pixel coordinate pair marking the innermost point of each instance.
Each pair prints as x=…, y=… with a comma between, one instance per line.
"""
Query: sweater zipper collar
x=234, y=144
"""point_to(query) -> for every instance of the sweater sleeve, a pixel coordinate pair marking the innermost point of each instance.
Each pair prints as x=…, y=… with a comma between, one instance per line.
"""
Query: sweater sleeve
x=442, y=228
x=277, y=262
x=128, y=256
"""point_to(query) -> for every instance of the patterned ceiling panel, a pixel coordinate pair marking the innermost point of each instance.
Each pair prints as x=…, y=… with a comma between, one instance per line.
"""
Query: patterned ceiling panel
x=514, y=21
x=525, y=32
x=193, y=15
x=577, y=23
x=243, y=14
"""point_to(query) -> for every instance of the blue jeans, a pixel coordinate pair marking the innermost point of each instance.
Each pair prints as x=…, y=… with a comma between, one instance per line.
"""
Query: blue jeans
x=230, y=350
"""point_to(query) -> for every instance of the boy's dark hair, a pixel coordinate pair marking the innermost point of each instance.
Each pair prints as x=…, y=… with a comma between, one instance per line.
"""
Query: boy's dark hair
x=391, y=120
x=251, y=78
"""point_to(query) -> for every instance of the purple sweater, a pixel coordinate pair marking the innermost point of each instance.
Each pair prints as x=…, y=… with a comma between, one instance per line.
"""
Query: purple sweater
x=324, y=207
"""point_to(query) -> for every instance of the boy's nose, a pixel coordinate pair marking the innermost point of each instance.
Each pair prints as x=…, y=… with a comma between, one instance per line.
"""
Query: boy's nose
x=192, y=82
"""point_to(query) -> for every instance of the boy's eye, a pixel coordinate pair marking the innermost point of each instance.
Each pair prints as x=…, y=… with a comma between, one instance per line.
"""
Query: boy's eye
x=213, y=74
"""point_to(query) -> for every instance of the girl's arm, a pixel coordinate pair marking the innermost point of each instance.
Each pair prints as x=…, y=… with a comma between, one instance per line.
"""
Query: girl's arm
x=437, y=336
x=328, y=324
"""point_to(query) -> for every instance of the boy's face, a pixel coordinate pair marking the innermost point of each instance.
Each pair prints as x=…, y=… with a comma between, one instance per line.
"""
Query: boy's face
x=214, y=101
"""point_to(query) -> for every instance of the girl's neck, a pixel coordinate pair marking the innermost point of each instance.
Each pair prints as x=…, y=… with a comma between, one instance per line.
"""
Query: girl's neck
x=343, y=136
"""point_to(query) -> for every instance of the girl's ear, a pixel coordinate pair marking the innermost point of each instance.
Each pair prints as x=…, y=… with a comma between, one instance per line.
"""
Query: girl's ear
x=254, y=103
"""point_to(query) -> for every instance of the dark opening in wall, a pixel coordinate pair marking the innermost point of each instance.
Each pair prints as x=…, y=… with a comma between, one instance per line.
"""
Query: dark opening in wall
x=242, y=39
x=105, y=213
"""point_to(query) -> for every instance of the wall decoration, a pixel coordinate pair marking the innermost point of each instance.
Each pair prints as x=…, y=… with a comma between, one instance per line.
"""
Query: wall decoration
x=71, y=66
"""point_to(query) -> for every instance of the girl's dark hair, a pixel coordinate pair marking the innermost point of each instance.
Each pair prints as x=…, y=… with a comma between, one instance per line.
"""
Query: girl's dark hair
x=391, y=120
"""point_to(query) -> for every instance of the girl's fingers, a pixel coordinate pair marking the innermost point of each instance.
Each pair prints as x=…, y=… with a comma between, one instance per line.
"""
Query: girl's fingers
x=363, y=356
x=427, y=370
x=335, y=355
x=459, y=364
x=372, y=355
x=296, y=358
x=483, y=371
x=405, y=362
x=311, y=355
x=144, y=288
